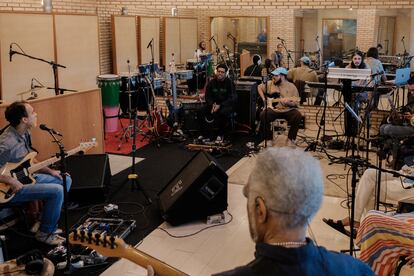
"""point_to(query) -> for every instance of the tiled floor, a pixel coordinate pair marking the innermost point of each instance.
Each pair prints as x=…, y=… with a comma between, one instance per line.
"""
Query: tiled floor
x=226, y=246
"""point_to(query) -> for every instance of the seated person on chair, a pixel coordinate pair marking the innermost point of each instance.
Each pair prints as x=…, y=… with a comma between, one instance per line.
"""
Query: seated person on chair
x=15, y=144
x=280, y=209
x=221, y=98
x=281, y=90
x=301, y=74
x=384, y=239
x=392, y=189
x=254, y=70
x=402, y=128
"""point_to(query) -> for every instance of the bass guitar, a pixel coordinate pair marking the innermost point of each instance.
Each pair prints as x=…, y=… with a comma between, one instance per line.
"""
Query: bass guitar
x=111, y=246
x=23, y=170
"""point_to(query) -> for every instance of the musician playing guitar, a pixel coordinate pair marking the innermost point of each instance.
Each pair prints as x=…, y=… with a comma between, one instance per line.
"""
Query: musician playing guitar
x=405, y=129
x=288, y=99
x=15, y=144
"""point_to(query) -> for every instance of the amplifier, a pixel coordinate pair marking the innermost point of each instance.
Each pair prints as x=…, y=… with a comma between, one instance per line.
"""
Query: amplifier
x=246, y=103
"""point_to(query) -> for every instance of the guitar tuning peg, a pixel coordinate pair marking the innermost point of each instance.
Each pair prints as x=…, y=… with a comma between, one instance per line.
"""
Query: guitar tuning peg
x=112, y=239
x=104, y=241
x=82, y=235
x=89, y=237
x=97, y=238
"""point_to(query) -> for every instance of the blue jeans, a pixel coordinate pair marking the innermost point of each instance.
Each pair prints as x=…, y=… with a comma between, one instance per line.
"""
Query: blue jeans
x=49, y=189
x=396, y=131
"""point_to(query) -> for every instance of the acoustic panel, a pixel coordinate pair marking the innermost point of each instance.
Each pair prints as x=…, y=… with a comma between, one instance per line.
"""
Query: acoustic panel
x=188, y=38
x=125, y=47
x=149, y=28
x=77, y=48
x=172, y=40
x=34, y=34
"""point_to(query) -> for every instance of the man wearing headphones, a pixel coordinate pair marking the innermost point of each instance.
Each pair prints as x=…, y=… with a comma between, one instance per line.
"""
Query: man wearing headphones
x=254, y=70
x=220, y=101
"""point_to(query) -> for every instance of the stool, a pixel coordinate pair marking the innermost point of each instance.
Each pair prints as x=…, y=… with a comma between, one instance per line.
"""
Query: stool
x=278, y=127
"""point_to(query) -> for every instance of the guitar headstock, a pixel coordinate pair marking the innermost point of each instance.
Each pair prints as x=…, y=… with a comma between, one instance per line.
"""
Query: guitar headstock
x=109, y=246
x=84, y=146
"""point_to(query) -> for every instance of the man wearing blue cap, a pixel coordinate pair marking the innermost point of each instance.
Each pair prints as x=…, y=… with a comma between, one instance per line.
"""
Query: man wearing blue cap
x=286, y=108
x=302, y=74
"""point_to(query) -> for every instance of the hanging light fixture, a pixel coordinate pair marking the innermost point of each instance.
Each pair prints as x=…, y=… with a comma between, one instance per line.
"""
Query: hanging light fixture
x=47, y=5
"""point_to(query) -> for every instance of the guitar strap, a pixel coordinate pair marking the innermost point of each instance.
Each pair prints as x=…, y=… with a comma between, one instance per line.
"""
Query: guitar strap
x=29, y=142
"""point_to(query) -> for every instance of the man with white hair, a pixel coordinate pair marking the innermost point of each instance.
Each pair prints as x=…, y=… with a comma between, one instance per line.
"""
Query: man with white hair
x=284, y=192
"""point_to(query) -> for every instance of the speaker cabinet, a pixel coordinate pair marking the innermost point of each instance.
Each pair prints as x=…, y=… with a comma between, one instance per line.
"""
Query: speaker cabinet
x=91, y=175
x=198, y=190
x=246, y=103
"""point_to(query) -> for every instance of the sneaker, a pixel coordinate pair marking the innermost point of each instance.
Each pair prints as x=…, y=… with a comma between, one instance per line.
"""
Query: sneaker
x=49, y=238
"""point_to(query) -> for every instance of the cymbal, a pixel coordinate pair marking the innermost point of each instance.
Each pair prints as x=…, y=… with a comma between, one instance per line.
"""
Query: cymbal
x=29, y=91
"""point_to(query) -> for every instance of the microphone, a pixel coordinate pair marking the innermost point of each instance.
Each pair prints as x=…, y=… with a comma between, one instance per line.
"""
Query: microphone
x=281, y=39
x=317, y=37
x=45, y=128
x=377, y=74
x=10, y=53
x=150, y=43
x=265, y=77
x=31, y=84
x=211, y=38
x=402, y=39
x=228, y=35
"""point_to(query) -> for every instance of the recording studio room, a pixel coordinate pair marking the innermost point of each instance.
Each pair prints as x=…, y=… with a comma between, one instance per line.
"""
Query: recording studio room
x=206, y=138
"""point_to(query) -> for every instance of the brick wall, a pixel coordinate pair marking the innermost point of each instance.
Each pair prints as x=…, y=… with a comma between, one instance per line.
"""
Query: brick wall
x=281, y=15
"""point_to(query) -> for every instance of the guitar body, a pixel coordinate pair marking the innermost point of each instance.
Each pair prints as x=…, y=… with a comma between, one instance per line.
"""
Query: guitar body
x=23, y=170
x=20, y=172
x=160, y=123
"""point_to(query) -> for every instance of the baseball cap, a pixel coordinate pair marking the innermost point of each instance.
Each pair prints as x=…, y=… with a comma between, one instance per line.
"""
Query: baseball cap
x=278, y=71
x=305, y=60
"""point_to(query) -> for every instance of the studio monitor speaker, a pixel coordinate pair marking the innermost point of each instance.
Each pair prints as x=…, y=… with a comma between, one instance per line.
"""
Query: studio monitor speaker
x=91, y=175
x=198, y=190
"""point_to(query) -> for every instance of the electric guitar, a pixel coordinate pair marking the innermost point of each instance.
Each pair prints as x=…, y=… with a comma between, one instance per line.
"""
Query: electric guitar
x=271, y=101
x=396, y=118
x=159, y=124
x=111, y=246
x=23, y=170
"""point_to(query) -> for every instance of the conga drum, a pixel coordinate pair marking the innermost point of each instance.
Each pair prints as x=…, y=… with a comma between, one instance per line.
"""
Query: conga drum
x=109, y=85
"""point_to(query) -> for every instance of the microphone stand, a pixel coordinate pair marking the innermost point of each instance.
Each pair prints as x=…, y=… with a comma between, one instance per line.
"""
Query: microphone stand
x=217, y=51
x=54, y=67
x=289, y=56
x=62, y=166
x=234, y=53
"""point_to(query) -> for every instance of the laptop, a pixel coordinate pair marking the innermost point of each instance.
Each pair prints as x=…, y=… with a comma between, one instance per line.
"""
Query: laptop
x=402, y=75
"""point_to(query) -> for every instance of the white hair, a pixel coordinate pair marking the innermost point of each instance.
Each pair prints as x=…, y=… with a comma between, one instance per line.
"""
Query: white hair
x=290, y=181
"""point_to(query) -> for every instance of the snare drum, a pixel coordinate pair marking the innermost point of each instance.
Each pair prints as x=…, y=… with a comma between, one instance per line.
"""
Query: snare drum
x=109, y=85
x=185, y=74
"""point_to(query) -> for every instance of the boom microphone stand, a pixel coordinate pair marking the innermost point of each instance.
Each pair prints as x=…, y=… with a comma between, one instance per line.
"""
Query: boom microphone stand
x=289, y=56
x=52, y=63
x=62, y=166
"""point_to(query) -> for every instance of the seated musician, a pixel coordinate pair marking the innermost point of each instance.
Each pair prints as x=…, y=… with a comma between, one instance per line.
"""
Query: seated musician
x=255, y=69
x=402, y=127
x=15, y=144
x=383, y=239
x=202, y=49
x=220, y=98
x=300, y=75
x=392, y=189
x=279, y=87
x=376, y=66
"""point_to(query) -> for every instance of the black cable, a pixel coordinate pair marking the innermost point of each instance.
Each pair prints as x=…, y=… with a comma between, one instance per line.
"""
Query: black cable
x=199, y=231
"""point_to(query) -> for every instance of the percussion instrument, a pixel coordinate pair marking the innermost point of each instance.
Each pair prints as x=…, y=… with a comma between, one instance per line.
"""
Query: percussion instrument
x=184, y=74
x=130, y=81
x=144, y=68
x=109, y=85
x=140, y=99
x=206, y=57
x=157, y=83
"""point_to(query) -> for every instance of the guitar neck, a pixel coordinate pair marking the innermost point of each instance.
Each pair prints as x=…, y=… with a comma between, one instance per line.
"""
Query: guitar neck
x=143, y=260
x=50, y=161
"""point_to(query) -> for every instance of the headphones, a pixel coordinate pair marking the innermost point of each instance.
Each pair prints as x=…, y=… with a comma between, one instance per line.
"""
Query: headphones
x=260, y=59
x=33, y=261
